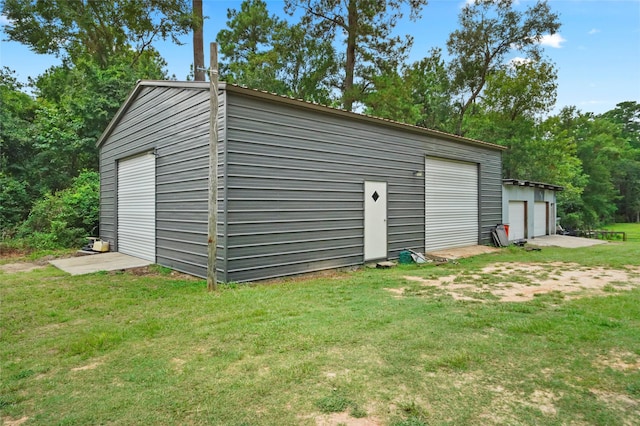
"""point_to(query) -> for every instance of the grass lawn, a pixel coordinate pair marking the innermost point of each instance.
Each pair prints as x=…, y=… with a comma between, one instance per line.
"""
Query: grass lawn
x=369, y=347
x=632, y=230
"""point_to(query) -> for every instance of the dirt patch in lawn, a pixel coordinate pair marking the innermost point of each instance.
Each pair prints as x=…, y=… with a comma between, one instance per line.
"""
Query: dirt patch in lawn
x=43, y=262
x=619, y=360
x=12, y=268
x=460, y=252
x=621, y=403
x=345, y=419
x=8, y=421
x=520, y=282
x=91, y=366
x=152, y=270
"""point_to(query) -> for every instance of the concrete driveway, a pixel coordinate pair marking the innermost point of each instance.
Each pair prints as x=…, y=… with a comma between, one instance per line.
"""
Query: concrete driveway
x=564, y=241
x=112, y=261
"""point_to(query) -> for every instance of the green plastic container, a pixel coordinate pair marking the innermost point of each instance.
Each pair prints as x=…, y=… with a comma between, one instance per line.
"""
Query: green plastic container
x=405, y=257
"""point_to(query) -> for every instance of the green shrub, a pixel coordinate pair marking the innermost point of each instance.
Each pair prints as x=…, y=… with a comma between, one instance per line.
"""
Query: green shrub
x=14, y=204
x=63, y=219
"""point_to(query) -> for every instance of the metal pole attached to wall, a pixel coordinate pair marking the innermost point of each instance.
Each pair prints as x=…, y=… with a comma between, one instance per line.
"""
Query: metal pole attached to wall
x=212, y=282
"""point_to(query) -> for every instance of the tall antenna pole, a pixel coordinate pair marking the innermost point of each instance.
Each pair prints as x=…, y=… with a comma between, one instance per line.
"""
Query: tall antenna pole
x=212, y=282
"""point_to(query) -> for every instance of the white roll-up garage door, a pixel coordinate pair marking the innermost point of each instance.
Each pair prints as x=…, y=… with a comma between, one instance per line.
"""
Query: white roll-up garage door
x=137, y=207
x=451, y=204
x=539, y=219
x=517, y=220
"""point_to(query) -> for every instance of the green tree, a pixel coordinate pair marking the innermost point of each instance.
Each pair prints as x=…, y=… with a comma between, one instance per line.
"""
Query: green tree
x=75, y=104
x=17, y=172
x=521, y=89
x=627, y=173
x=14, y=203
x=430, y=87
x=600, y=148
x=305, y=64
x=17, y=113
x=627, y=114
x=367, y=26
x=517, y=134
x=105, y=48
x=419, y=94
x=63, y=218
x=552, y=156
x=626, y=177
x=100, y=29
x=247, y=47
x=507, y=113
x=264, y=52
x=391, y=98
x=489, y=31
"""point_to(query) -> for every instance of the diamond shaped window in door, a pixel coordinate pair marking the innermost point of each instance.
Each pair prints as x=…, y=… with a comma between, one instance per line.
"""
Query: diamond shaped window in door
x=375, y=196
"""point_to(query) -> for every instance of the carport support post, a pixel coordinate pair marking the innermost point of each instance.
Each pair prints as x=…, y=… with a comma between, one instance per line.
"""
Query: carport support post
x=212, y=282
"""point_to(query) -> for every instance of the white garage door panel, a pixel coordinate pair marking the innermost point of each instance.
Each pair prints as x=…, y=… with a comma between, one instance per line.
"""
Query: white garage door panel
x=137, y=207
x=451, y=204
x=540, y=219
x=517, y=223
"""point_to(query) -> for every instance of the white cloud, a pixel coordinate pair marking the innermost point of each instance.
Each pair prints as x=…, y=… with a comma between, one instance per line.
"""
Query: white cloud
x=594, y=31
x=5, y=21
x=552, y=40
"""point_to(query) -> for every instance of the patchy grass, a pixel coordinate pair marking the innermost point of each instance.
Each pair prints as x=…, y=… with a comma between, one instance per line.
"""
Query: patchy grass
x=158, y=349
x=10, y=253
x=632, y=230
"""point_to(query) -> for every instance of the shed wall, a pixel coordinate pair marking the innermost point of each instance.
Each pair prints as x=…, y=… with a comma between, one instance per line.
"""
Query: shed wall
x=175, y=123
x=531, y=195
x=296, y=180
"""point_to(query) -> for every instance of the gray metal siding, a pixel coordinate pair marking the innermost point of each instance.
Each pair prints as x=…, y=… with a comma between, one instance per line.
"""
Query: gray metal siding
x=295, y=186
x=174, y=122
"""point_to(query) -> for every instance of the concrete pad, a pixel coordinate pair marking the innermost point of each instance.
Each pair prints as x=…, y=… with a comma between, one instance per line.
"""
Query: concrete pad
x=112, y=261
x=460, y=252
x=564, y=241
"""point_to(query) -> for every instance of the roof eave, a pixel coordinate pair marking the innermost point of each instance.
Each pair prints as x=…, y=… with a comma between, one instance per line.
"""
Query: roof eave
x=287, y=100
x=323, y=108
x=519, y=182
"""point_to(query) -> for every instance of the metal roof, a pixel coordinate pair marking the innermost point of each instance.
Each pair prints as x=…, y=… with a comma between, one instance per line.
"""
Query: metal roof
x=518, y=182
x=233, y=88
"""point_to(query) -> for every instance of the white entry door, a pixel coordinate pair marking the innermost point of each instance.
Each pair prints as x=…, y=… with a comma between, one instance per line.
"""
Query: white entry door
x=375, y=220
x=137, y=207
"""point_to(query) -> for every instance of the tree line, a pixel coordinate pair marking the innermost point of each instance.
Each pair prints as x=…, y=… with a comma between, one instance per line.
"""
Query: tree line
x=494, y=84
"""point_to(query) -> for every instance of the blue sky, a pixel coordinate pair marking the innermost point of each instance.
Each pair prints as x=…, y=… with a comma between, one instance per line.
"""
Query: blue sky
x=596, y=52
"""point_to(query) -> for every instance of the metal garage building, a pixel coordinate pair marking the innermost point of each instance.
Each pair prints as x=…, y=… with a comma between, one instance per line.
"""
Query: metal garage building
x=302, y=187
x=529, y=209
